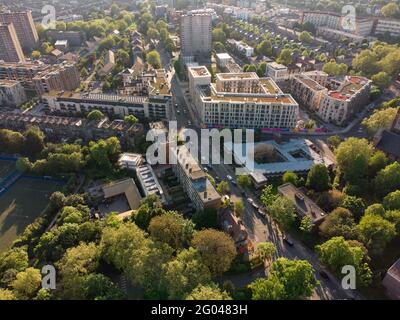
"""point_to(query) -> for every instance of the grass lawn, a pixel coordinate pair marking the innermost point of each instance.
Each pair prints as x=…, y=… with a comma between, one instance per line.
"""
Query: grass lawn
x=21, y=205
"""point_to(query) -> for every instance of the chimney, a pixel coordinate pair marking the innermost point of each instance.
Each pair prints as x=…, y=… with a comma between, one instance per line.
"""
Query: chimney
x=205, y=194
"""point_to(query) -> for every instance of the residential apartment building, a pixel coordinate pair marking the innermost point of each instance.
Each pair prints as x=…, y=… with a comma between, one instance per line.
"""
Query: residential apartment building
x=10, y=48
x=149, y=182
x=70, y=103
x=360, y=26
x=334, y=100
x=327, y=23
x=23, y=72
x=64, y=76
x=12, y=93
x=277, y=72
x=194, y=181
x=24, y=27
x=195, y=34
x=242, y=100
x=241, y=47
x=198, y=76
x=388, y=25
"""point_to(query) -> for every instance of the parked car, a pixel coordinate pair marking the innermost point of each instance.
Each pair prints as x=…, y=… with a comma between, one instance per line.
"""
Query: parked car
x=244, y=194
x=324, y=275
x=288, y=241
x=261, y=212
x=229, y=177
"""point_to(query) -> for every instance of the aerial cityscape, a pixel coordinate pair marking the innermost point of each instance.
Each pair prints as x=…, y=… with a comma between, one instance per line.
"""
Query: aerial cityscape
x=200, y=150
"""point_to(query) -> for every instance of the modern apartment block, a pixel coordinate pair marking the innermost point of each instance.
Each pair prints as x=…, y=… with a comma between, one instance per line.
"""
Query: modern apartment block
x=64, y=76
x=10, y=48
x=242, y=100
x=362, y=27
x=24, y=72
x=195, y=181
x=12, y=93
x=388, y=25
x=71, y=103
x=277, y=72
x=24, y=27
x=196, y=34
x=334, y=100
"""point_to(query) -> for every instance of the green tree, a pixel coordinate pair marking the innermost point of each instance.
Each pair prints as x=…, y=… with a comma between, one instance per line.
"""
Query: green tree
x=337, y=252
x=283, y=212
x=265, y=48
x=99, y=287
x=239, y=208
x=318, y=178
x=75, y=265
x=377, y=162
x=352, y=157
x=223, y=187
x=380, y=119
x=354, y=204
x=390, y=10
x=23, y=165
x=287, y=280
x=340, y=222
x=153, y=34
x=218, y=35
x=392, y=201
x=290, y=177
x=265, y=251
x=6, y=294
x=12, y=261
x=131, y=119
x=35, y=54
x=173, y=229
x=268, y=195
x=243, y=181
x=185, y=273
x=27, y=283
x=306, y=224
x=376, y=232
x=216, y=248
x=150, y=207
x=285, y=57
x=153, y=58
x=382, y=80
x=208, y=292
x=95, y=115
x=306, y=37
x=388, y=179
x=34, y=141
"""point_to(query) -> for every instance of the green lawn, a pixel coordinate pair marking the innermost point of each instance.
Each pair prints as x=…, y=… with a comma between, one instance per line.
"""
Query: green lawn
x=21, y=205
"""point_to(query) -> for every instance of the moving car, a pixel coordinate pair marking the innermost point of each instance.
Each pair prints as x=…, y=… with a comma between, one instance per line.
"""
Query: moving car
x=229, y=177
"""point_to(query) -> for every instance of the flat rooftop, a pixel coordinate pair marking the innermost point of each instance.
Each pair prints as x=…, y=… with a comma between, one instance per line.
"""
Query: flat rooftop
x=295, y=155
x=277, y=66
x=237, y=76
x=8, y=83
x=304, y=205
x=200, y=71
x=223, y=56
x=95, y=97
x=193, y=170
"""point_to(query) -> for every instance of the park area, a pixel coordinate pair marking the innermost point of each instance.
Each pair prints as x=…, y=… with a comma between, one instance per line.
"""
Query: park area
x=22, y=203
